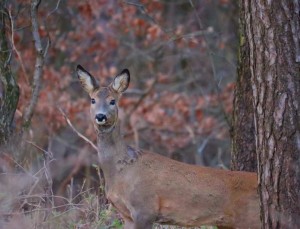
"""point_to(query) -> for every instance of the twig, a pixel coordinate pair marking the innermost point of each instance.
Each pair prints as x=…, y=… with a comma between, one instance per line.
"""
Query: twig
x=55, y=9
x=70, y=178
x=206, y=40
x=47, y=155
x=39, y=63
x=220, y=160
x=29, y=193
x=14, y=46
x=48, y=45
x=144, y=12
x=143, y=96
x=21, y=28
x=10, y=158
x=78, y=163
x=191, y=35
x=76, y=131
x=36, y=146
x=137, y=104
x=48, y=35
x=213, y=67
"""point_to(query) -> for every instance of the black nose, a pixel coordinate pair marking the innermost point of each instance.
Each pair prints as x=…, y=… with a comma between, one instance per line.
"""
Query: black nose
x=101, y=117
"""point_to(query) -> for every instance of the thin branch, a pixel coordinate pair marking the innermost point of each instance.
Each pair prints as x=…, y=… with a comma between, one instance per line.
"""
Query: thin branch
x=76, y=168
x=143, y=96
x=21, y=28
x=48, y=45
x=39, y=63
x=19, y=56
x=48, y=156
x=76, y=131
x=48, y=41
x=39, y=148
x=55, y=9
x=206, y=40
x=213, y=67
x=144, y=12
x=137, y=104
x=191, y=35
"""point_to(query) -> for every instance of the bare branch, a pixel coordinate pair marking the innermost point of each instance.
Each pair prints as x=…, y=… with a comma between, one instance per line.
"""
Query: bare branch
x=143, y=96
x=76, y=131
x=213, y=67
x=55, y=9
x=47, y=46
x=14, y=46
x=144, y=12
x=191, y=35
x=39, y=63
x=39, y=148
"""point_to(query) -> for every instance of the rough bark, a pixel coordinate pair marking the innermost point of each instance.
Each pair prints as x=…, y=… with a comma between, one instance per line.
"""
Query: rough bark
x=243, y=153
x=9, y=90
x=273, y=32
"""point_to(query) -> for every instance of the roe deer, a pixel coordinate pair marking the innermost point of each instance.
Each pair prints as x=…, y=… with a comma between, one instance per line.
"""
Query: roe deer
x=146, y=188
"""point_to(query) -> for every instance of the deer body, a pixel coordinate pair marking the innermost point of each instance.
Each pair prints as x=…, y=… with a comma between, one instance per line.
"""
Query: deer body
x=145, y=187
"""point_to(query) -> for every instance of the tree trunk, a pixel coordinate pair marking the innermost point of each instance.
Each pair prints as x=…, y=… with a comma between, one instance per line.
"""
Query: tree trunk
x=9, y=90
x=243, y=153
x=273, y=32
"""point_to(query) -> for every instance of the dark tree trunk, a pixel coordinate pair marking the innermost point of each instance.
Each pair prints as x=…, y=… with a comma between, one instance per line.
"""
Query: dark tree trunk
x=243, y=153
x=9, y=90
x=273, y=34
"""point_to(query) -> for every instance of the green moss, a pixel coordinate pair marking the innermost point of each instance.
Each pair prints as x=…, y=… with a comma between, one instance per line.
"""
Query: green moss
x=242, y=39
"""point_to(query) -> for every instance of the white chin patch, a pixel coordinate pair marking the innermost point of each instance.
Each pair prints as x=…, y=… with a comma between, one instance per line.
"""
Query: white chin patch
x=100, y=122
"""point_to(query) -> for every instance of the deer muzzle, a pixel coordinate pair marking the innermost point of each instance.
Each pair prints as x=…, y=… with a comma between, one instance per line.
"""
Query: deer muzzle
x=101, y=119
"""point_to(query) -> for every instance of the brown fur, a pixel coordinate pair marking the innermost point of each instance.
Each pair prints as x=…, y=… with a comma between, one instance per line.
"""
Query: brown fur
x=146, y=187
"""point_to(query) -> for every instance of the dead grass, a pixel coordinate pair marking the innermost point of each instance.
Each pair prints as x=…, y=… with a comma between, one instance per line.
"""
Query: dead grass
x=27, y=200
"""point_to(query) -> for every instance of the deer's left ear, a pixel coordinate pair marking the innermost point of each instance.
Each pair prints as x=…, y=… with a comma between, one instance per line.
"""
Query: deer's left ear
x=121, y=81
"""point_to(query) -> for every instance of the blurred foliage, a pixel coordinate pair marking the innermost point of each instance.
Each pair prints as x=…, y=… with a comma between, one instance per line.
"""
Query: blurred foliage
x=181, y=58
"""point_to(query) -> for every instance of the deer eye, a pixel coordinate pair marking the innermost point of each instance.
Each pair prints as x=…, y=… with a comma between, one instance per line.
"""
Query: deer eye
x=112, y=102
x=93, y=101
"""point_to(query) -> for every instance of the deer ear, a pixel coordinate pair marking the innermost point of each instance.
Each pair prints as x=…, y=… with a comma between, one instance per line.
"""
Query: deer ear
x=88, y=82
x=121, y=81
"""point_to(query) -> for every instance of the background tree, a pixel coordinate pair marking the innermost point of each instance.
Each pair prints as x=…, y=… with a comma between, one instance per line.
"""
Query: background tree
x=243, y=152
x=272, y=32
x=9, y=90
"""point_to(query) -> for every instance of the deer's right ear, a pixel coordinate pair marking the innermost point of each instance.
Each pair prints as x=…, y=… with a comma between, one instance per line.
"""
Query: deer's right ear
x=121, y=81
x=88, y=82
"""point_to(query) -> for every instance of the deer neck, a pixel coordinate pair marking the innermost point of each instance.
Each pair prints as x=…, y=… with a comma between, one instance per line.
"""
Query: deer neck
x=111, y=150
x=111, y=146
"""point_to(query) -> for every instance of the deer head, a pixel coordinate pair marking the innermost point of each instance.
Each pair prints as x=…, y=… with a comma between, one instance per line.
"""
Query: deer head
x=104, y=100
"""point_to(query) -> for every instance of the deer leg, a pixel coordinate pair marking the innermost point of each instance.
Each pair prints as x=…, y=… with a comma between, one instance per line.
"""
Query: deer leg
x=143, y=221
x=142, y=225
x=128, y=224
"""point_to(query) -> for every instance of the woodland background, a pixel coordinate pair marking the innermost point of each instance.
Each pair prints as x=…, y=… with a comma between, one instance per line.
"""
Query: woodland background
x=182, y=58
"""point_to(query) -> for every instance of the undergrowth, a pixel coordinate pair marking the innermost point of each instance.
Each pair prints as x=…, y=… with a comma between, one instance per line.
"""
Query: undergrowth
x=27, y=200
